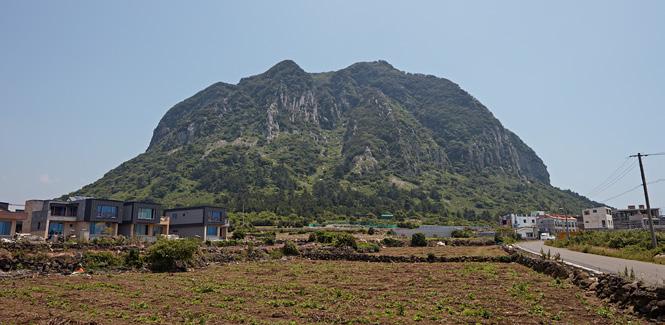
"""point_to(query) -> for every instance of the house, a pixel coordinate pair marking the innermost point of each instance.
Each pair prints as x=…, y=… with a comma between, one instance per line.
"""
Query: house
x=142, y=220
x=525, y=226
x=85, y=218
x=11, y=222
x=597, y=218
x=633, y=217
x=556, y=223
x=205, y=222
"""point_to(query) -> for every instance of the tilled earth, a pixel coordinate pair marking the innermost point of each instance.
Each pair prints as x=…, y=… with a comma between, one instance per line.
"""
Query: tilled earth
x=301, y=291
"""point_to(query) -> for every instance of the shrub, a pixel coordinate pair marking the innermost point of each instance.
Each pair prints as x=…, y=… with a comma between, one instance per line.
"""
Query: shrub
x=392, y=242
x=368, y=248
x=465, y=233
x=238, y=234
x=290, y=249
x=345, y=240
x=371, y=231
x=133, y=258
x=98, y=260
x=171, y=255
x=418, y=240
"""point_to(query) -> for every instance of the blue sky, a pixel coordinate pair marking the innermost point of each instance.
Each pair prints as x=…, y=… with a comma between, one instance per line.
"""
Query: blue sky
x=84, y=83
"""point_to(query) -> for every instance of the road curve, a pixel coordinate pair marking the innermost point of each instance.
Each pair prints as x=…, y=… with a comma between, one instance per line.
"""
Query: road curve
x=648, y=272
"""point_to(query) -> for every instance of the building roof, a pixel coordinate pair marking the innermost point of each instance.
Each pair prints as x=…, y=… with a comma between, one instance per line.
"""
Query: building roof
x=558, y=216
x=194, y=208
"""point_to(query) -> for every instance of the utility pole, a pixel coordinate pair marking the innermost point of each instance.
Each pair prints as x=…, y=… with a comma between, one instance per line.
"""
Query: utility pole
x=654, y=242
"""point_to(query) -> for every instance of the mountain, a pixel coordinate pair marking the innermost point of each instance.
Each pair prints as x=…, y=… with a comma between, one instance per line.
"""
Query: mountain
x=367, y=138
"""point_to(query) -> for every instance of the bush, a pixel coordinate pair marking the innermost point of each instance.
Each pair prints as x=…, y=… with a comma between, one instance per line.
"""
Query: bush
x=171, y=255
x=392, y=242
x=368, y=248
x=371, y=231
x=238, y=234
x=133, y=258
x=290, y=249
x=418, y=240
x=465, y=233
x=345, y=240
x=98, y=260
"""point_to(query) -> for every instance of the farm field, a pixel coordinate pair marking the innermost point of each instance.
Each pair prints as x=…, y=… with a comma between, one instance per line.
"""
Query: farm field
x=444, y=251
x=302, y=291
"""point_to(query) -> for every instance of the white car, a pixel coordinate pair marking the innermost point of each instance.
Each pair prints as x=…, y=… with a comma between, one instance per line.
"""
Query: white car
x=546, y=236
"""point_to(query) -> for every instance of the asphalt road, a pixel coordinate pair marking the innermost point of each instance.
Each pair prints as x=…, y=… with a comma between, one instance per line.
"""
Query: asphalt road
x=647, y=272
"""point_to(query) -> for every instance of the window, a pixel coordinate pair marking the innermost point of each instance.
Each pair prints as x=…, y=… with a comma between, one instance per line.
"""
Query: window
x=211, y=231
x=216, y=215
x=586, y=212
x=533, y=220
x=603, y=223
x=5, y=228
x=146, y=213
x=594, y=210
x=102, y=228
x=174, y=216
x=107, y=212
x=141, y=230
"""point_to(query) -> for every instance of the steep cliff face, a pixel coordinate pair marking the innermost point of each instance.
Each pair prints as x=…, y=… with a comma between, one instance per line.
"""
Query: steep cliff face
x=287, y=134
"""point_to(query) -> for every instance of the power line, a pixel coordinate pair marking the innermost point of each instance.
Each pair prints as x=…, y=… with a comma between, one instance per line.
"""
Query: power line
x=632, y=189
x=616, y=179
x=612, y=175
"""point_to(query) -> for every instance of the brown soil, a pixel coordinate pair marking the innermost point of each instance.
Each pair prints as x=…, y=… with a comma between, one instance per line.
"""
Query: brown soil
x=302, y=291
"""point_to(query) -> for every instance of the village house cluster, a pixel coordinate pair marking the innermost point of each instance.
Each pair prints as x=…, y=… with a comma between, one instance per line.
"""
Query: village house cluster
x=533, y=225
x=88, y=218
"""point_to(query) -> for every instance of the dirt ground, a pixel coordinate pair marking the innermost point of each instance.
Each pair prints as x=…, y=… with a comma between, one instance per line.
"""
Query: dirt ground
x=302, y=291
x=444, y=251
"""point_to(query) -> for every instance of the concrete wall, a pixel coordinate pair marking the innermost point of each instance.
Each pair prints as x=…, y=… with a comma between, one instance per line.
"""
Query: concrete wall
x=185, y=217
x=598, y=218
x=187, y=231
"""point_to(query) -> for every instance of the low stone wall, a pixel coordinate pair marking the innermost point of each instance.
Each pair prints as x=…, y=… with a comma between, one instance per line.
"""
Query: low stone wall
x=634, y=296
x=350, y=255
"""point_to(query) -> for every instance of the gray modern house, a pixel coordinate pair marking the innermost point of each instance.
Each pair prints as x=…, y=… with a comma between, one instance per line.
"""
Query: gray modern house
x=205, y=222
x=84, y=218
x=142, y=220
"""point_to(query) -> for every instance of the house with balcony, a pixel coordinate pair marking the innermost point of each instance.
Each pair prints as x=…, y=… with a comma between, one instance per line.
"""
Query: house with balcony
x=634, y=217
x=142, y=220
x=205, y=222
x=526, y=226
x=11, y=222
x=556, y=223
x=84, y=218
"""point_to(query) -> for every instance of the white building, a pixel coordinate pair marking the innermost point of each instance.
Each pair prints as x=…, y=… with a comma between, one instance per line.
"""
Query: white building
x=524, y=225
x=598, y=218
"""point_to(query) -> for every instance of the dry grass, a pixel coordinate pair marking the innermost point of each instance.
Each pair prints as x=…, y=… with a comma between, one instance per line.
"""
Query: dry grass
x=301, y=291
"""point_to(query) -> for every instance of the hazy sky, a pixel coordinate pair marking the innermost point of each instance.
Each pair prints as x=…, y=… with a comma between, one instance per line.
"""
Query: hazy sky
x=84, y=83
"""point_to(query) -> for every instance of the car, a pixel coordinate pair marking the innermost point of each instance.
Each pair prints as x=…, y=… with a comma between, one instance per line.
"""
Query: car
x=547, y=236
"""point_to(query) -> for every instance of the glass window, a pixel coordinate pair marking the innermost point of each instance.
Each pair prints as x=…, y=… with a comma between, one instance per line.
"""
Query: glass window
x=212, y=231
x=146, y=214
x=55, y=228
x=5, y=228
x=107, y=212
x=141, y=230
x=101, y=228
x=216, y=215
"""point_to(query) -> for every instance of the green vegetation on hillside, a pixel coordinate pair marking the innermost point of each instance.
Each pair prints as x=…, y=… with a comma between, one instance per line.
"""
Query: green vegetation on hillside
x=359, y=141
